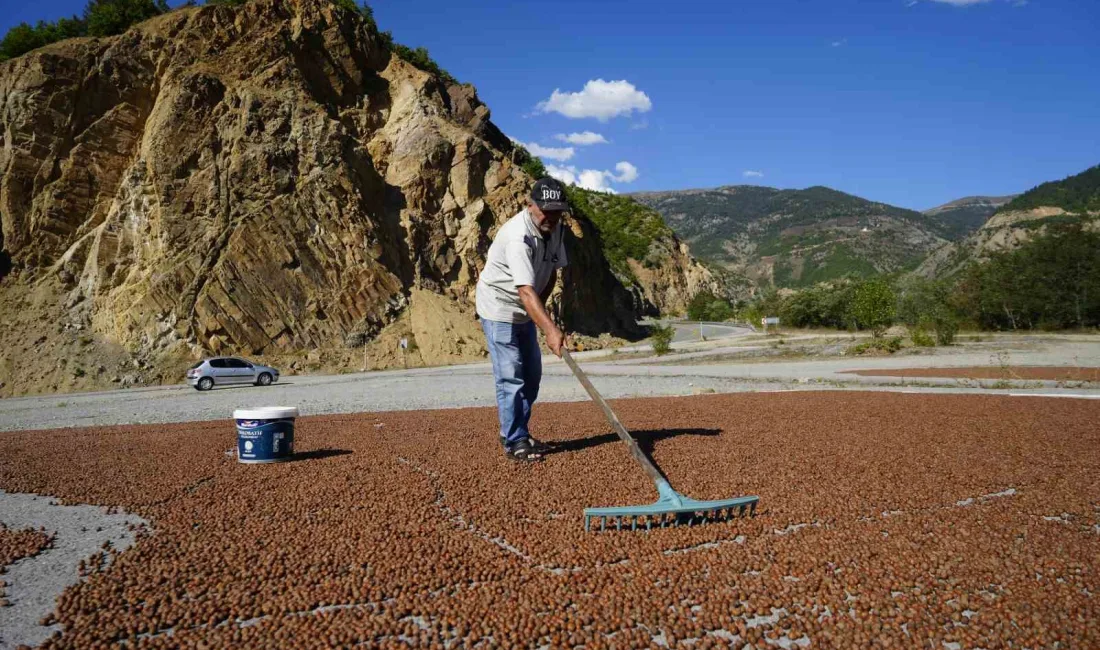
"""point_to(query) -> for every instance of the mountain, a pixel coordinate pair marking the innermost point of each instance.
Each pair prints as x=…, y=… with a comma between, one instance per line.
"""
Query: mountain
x=961, y=217
x=797, y=237
x=271, y=179
x=648, y=257
x=1073, y=199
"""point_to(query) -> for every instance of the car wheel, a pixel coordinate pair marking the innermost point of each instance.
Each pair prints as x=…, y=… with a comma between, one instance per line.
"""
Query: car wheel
x=205, y=383
x=264, y=379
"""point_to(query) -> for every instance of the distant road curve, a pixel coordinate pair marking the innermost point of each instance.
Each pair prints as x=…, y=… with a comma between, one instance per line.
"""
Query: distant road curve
x=687, y=331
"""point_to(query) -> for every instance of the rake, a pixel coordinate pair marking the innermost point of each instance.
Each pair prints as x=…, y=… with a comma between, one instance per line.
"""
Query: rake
x=671, y=508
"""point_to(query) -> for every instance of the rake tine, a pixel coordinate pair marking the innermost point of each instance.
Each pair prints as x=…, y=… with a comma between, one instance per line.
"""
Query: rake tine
x=633, y=523
x=752, y=511
x=603, y=523
x=618, y=523
x=587, y=524
x=648, y=523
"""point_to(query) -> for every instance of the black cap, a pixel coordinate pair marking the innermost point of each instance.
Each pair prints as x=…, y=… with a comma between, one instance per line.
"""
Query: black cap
x=549, y=194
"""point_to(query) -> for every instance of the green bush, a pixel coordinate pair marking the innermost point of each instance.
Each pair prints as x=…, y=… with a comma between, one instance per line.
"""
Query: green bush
x=922, y=339
x=946, y=327
x=889, y=346
x=661, y=336
x=874, y=306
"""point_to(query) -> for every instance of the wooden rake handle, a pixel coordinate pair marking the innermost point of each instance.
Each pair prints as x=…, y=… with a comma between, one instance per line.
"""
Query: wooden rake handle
x=623, y=434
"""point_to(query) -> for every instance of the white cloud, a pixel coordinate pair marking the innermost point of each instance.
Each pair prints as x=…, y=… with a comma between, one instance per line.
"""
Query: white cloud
x=566, y=175
x=627, y=172
x=594, y=179
x=638, y=126
x=600, y=99
x=582, y=139
x=961, y=3
x=752, y=173
x=842, y=41
x=553, y=153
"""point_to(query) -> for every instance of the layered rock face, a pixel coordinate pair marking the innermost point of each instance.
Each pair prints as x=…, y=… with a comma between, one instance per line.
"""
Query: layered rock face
x=1002, y=231
x=257, y=180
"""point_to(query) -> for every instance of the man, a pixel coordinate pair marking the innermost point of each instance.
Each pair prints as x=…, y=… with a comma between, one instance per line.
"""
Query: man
x=520, y=272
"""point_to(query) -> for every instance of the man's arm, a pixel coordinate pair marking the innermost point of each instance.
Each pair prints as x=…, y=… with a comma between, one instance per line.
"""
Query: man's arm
x=536, y=309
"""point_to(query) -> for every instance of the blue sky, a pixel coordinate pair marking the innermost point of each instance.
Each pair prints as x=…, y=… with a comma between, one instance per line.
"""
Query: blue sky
x=914, y=103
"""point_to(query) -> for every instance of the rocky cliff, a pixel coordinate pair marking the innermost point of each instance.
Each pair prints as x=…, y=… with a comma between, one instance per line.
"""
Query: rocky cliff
x=267, y=180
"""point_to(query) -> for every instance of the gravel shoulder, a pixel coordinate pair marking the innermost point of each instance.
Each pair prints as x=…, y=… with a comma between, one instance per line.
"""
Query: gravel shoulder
x=690, y=371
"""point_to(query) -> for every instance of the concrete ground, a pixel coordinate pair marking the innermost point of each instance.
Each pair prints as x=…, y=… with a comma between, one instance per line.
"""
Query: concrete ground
x=727, y=364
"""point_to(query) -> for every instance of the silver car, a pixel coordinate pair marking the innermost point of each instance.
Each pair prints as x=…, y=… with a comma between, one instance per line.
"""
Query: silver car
x=225, y=371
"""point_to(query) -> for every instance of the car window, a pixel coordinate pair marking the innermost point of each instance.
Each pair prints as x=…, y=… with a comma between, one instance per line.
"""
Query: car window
x=218, y=363
x=197, y=364
x=236, y=363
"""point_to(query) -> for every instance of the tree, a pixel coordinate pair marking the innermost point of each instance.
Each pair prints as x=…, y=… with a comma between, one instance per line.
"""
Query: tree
x=529, y=163
x=19, y=40
x=110, y=17
x=1051, y=282
x=874, y=306
x=707, y=306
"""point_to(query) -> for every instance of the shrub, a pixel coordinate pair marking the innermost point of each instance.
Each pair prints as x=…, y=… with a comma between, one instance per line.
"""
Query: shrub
x=661, y=335
x=874, y=306
x=889, y=346
x=946, y=328
x=922, y=339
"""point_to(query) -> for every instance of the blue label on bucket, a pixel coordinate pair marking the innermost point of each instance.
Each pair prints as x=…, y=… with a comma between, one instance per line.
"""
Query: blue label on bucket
x=265, y=440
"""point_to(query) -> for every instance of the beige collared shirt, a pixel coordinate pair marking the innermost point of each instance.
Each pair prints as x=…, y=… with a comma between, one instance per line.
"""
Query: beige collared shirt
x=519, y=256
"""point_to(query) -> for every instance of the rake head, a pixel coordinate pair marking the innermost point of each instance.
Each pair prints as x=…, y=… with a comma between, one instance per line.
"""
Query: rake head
x=671, y=509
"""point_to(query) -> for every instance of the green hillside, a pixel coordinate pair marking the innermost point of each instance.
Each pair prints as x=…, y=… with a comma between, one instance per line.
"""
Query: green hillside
x=627, y=228
x=961, y=217
x=1078, y=194
x=797, y=237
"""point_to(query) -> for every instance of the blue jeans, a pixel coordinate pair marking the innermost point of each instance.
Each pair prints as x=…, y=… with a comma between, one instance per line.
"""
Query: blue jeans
x=517, y=371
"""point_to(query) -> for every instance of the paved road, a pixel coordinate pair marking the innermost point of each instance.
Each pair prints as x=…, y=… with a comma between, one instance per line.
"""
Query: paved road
x=472, y=385
x=690, y=331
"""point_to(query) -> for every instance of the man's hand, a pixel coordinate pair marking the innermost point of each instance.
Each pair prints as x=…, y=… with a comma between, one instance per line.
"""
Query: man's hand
x=556, y=340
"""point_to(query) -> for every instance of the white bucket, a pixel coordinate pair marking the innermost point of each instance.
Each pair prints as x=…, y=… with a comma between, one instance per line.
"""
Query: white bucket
x=265, y=434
